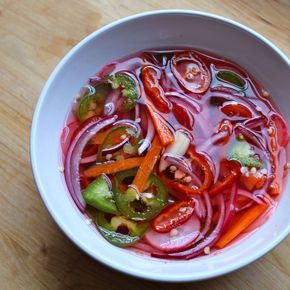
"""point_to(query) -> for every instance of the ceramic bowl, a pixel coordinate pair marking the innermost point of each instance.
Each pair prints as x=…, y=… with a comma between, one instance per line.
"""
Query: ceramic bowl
x=169, y=28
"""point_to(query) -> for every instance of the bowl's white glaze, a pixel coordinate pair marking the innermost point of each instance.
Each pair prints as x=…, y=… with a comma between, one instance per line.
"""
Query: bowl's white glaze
x=152, y=30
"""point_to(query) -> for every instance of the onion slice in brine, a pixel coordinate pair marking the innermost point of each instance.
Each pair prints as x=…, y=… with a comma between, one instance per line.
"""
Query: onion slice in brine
x=73, y=157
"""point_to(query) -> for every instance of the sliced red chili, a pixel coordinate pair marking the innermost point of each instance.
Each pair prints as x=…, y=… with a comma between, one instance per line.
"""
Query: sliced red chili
x=229, y=172
x=90, y=150
x=232, y=108
x=204, y=165
x=191, y=72
x=173, y=216
x=150, y=79
x=183, y=115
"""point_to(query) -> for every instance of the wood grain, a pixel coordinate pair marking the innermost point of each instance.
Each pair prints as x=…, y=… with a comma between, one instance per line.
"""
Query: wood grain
x=34, y=35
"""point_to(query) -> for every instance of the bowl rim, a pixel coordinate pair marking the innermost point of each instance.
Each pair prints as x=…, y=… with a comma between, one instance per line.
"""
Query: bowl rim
x=42, y=191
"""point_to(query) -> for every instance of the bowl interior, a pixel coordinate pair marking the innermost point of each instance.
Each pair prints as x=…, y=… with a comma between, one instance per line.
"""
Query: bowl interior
x=152, y=30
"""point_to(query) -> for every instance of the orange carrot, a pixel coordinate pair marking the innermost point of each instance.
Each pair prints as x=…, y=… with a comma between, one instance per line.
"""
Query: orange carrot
x=113, y=167
x=165, y=135
x=240, y=224
x=147, y=165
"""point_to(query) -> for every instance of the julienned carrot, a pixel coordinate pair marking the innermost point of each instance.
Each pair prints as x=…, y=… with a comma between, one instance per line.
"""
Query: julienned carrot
x=113, y=167
x=240, y=224
x=147, y=165
x=165, y=135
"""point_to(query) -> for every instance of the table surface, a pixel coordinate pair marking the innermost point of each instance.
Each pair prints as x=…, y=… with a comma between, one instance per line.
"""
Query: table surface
x=34, y=35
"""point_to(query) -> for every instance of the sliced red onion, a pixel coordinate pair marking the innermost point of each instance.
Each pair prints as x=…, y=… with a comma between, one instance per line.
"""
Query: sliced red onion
x=137, y=112
x=129, y=123
x=255, y=122
x=229, y=96
x=193, y=106
x=249, y=195
x=209, y=213
x=94, y=80
x=247, y=205
x=89, y=159
x=146, y=143
x=111, y=101
x=231, y=208
x=206, y=242
x=199, y=207
x=73, y=157
x=87, y=89
x=179, y=161
x=115, y=148
x=143, y=247
x=227, y=90
x=108, y=181
x=178, y=148
x=215, y=138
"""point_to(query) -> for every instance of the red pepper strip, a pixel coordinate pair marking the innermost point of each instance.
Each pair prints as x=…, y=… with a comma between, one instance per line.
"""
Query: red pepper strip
x=90, y=150
x=229, y=172
x=232, y=108
x=208, y=175
x=165, y=135
x=183, y=115
x=150, y=80
x=173, y=216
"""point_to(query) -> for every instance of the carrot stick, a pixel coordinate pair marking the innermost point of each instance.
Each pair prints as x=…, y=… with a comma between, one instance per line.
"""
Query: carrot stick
x=147, y=165
x=240, y=224
x=113, y=167
x=165, y=135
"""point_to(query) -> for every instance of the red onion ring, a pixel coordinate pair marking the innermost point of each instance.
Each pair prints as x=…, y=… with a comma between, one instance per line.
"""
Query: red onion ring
x=129, y=123
x=206, y=242
x=209, y=213
x=117, y=147
x=255, y=122
x=226, y=90
x=94, y=80
x=137, y=112
x=146, y=143
x=181, y=162
x=231, y=209
x=185, y=101
x=228, y=96
x=89, y=159
x=73, y=157
x=199, y=207
x=251, y=196
x=111, y=102
x=215, y=138
x=247, y=205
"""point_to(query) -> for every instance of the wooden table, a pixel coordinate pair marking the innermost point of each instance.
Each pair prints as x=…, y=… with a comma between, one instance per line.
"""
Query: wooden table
x=34, y=35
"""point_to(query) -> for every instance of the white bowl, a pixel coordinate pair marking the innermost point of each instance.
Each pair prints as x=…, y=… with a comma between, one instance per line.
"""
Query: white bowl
x=169, y=28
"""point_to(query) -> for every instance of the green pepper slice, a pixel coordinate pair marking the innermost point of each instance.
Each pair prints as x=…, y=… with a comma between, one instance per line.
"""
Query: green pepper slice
x=129, y=89
x=132, y=205
x=116, y=136
x=120, y=231
x=242, y=152
x=98, y=195
x=231, y=78
x=92, y=103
